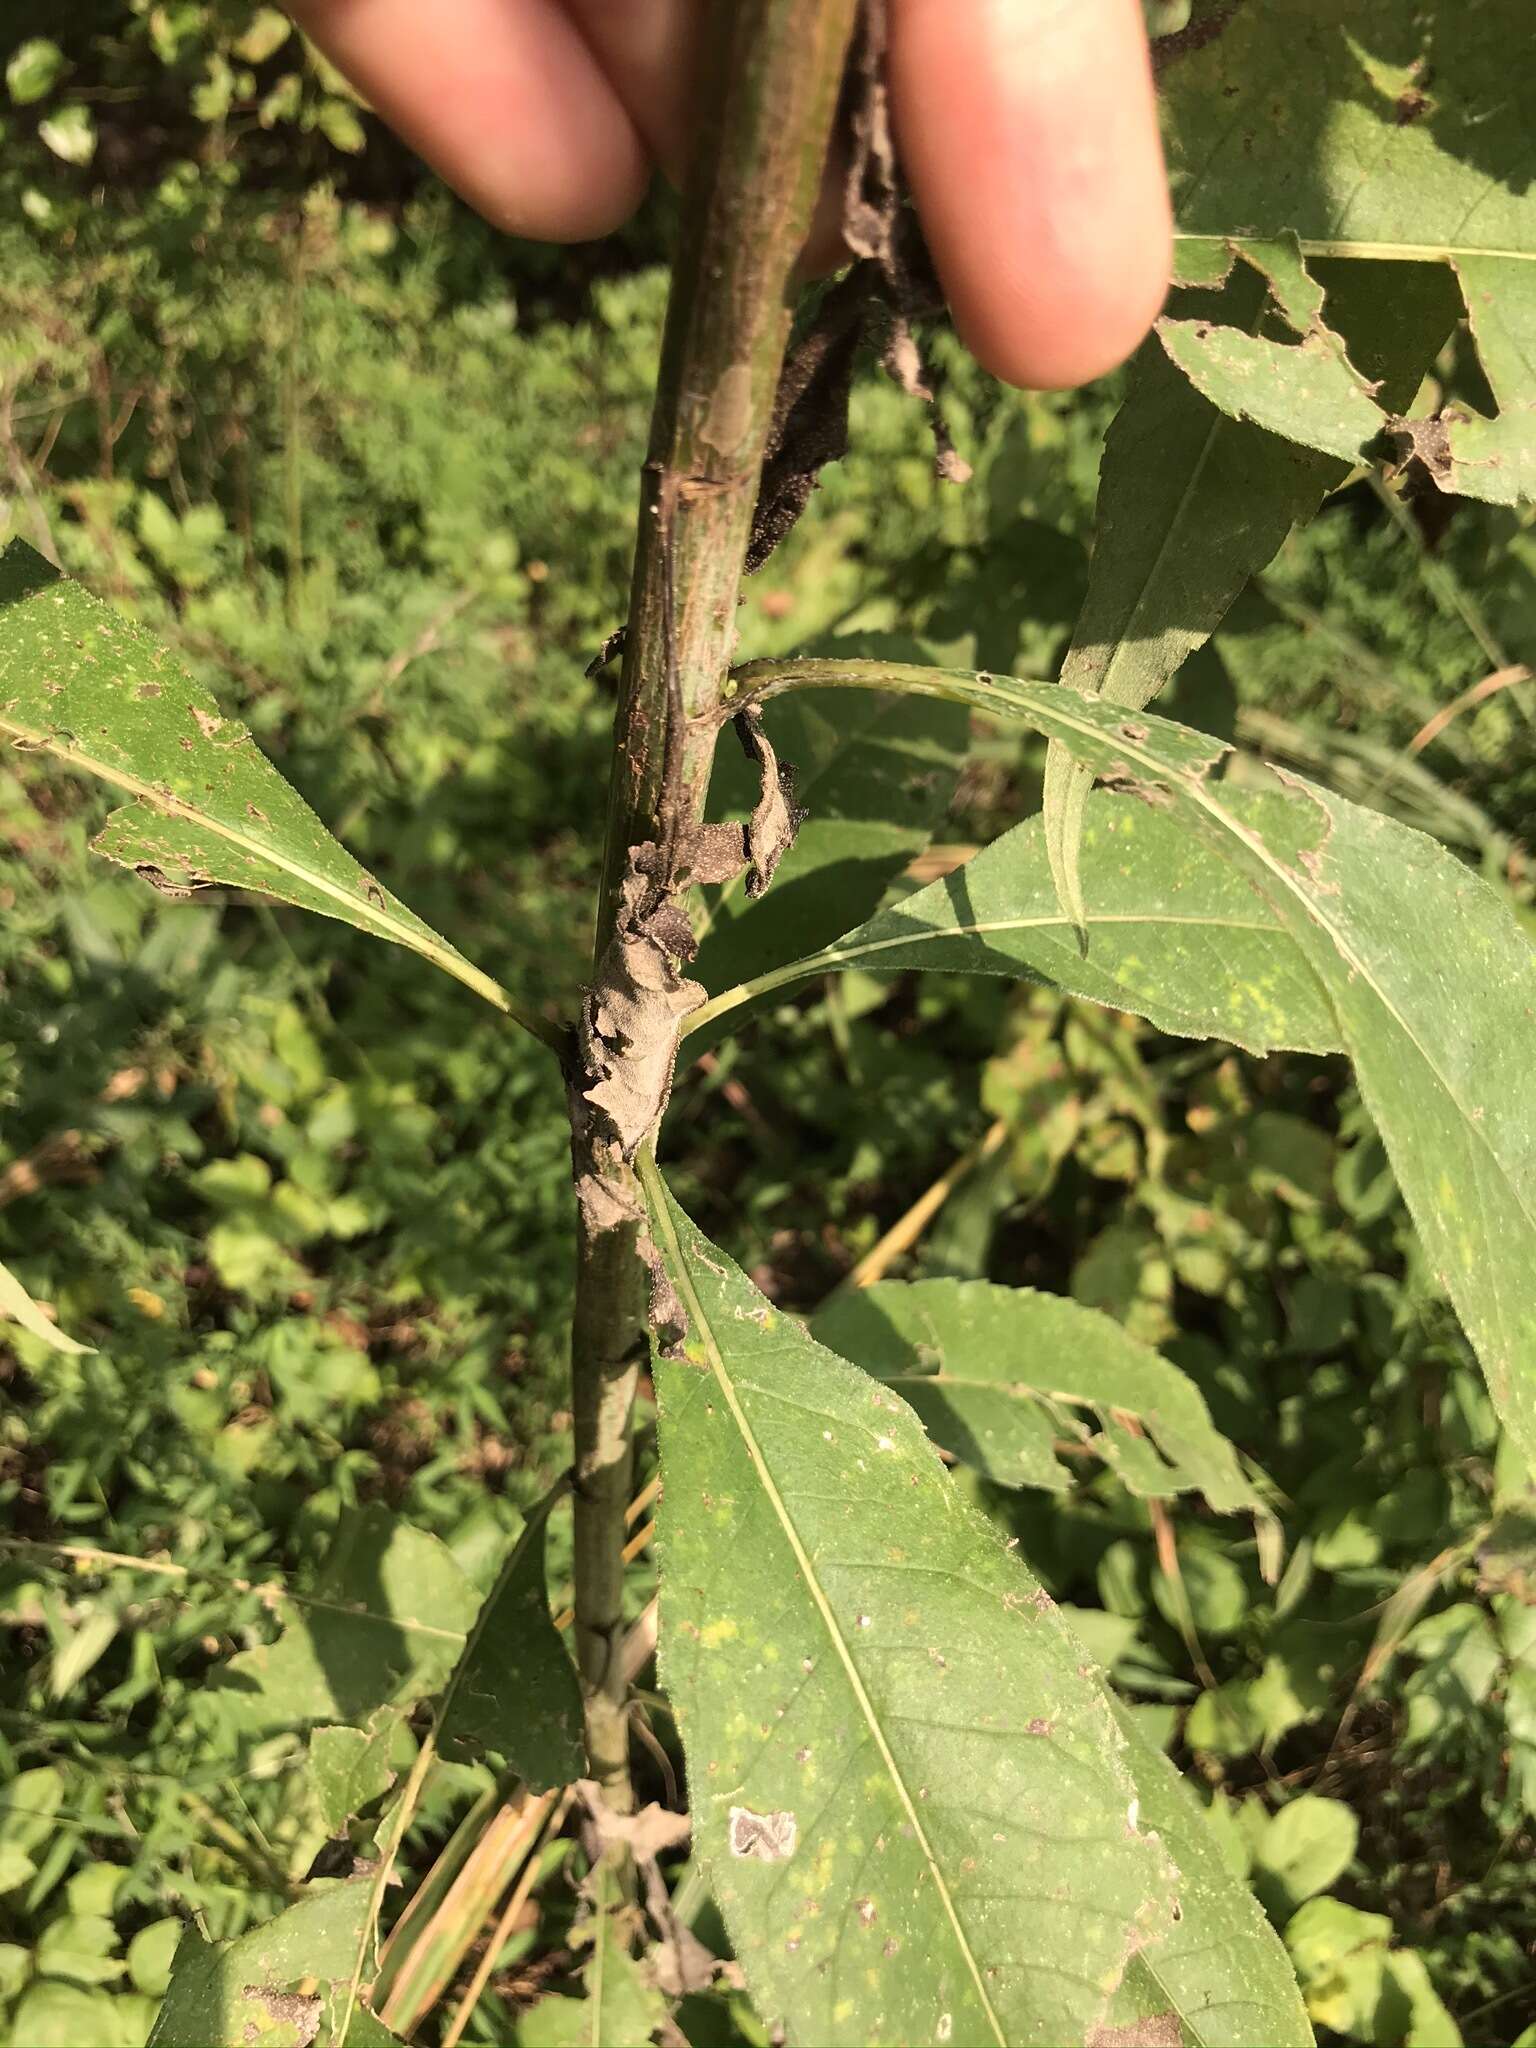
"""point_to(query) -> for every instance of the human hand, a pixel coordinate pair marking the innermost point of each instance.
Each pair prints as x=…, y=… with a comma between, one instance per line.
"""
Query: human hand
x=1026, y=128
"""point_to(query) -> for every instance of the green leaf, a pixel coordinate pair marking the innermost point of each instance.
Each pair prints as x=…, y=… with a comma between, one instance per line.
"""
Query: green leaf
x=79, y=1948
x=1310, y=393
x=286, y=1984
x=1191, y=503
x=1305, y=1849
x=997, y=1373
x=384, y=1625
x=18, y=1305
x=70, y=133
x=1220, y=1968
x=85, y=1646
x=1305, y=391
x=33, y=70
x=514, y=1691
x=28, y=1804
x=351, y=1767
x=1399, y=132
x=53, y=2014
x=1443, y=1041
x=1340, y=1955
x=150, y=1955
x=265, y=35
x=1493, y=459
x=83, y=682
x=874, y=780
x=910, y=1793
x=1177, y=935
x=622, y=2007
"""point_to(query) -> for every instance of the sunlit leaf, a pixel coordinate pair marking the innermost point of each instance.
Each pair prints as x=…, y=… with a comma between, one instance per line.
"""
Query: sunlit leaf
x=1221, y=1970
x=910, y=1792
x=1443, y=1040
x=81, y=681
x=873, y=780
x=1399, y=132
x=1192, y=503
x=1177, y=935
x=384, y=1624
x=286, y=1984
x=18, y=1305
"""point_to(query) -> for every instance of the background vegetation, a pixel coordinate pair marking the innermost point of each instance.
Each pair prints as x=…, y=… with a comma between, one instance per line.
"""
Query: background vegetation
x=370, y=470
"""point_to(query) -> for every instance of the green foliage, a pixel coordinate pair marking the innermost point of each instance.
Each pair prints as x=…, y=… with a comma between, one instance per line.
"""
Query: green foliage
x=270, y=1604
x=102, y=695
x=996, y=1373
x=898, y=1660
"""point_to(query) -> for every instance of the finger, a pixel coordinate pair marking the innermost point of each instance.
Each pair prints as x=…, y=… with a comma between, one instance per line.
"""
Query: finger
x=503, y=99
x=1028, y=131
x=648, y=52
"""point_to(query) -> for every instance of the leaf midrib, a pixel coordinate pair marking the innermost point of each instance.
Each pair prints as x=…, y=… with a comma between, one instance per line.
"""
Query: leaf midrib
x=369, y=914
x=839, y=955
x=662, y=1216
x=1371, y=251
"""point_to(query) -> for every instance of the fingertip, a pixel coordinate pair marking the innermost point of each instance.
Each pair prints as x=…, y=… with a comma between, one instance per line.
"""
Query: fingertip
x=1090, y=319
x=1028, y=129
x=506, y=103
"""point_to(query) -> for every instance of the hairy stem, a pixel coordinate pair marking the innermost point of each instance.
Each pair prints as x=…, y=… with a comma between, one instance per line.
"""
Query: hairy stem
x=767, y=91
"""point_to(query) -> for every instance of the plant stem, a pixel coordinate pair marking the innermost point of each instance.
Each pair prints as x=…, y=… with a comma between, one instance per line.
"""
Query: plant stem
x=767, y=89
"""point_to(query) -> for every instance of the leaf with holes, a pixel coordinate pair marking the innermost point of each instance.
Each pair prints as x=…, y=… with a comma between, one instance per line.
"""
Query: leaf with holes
x=1000, y=1374
x=1192, y=503
x=1366, y=127
x=909, y=1790
x=287, y=1983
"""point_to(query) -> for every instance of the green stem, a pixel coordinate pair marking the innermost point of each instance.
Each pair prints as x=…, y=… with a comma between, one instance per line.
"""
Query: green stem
x=767, y=90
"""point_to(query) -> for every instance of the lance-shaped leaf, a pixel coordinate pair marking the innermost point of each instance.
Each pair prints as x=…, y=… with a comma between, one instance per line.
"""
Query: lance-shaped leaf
x=19, y=1307
x=1192, y=503
x=514, y=1690
x=1432, y=982
x=1000, y=1374
x=1178, y=936
x=909, y=1788
x=81, y=681
x=287, y=1984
